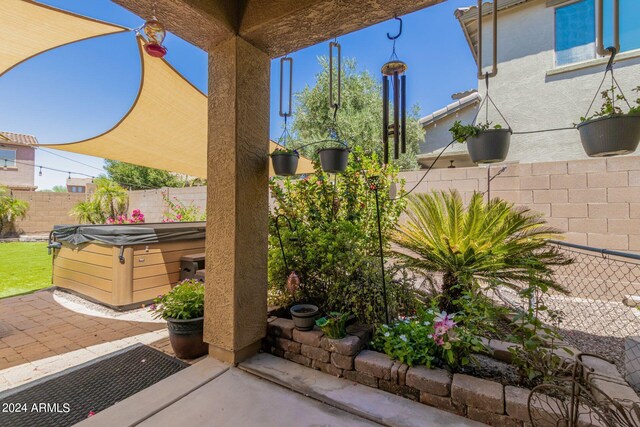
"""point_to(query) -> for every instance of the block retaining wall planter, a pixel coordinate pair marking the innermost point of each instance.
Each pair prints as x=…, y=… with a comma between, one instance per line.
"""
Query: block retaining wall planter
x=475, y=398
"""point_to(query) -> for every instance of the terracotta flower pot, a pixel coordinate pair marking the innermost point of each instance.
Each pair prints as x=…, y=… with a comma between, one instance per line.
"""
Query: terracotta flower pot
x=334, y=160
x=610, y=136
x=284, y=163
x=489, y=146
x=304, y=316
x=186, y=337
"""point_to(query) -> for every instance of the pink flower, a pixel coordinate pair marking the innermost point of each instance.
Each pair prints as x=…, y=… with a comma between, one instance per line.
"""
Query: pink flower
x=91, y=414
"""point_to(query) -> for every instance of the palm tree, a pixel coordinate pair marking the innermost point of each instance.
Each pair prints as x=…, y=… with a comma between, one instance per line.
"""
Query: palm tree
x=10, y=208
x=88, y=212
x=111, y=197
x=492, y=243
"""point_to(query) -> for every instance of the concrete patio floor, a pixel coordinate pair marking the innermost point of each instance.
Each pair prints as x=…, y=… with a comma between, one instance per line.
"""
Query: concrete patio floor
x=267, y=391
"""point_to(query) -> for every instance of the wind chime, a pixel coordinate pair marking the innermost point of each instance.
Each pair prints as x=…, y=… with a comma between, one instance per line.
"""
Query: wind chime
x=155, y=34
x=394, y=83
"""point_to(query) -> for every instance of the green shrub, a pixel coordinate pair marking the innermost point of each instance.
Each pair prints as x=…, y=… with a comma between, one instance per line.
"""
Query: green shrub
x=334, y=248
x=477, y=246
x=430, y=338
x=10, y=209
x=185, y=301
x=334, y=324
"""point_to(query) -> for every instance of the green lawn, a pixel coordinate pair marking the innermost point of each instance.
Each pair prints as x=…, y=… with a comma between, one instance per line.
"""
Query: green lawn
x=24, y=267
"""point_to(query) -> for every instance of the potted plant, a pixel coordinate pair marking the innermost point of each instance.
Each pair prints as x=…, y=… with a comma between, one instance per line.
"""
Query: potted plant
x=284, y=161
x=611, y=132
x=485, y=144
x=304, y=316
x=334, y=159
x=183, y=309
x=334, y=324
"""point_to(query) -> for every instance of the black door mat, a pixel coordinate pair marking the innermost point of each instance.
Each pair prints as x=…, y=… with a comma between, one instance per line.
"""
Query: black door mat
x=67, y=398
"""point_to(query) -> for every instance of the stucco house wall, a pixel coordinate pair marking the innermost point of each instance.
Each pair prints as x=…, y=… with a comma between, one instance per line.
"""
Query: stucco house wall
x=534, y=94
x=530, y=90
x=21, y=176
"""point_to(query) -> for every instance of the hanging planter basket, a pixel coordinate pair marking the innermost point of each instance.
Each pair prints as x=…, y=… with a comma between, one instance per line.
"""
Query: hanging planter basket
x=489, y=146
x=285, y=163
x=610, y=136
x=334, y=160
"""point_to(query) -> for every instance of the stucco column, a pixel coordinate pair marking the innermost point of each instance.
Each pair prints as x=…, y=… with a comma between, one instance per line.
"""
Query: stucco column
x=237, y=200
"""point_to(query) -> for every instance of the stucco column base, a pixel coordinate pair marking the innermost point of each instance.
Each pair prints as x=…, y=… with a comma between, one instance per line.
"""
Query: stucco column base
x=235, y=318
x=236, y=356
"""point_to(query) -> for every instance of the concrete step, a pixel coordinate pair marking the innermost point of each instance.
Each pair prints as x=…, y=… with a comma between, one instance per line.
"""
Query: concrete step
x=372, y=404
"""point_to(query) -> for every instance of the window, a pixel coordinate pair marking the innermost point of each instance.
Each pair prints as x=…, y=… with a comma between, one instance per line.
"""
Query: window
x=576, y=34
x=7, y=158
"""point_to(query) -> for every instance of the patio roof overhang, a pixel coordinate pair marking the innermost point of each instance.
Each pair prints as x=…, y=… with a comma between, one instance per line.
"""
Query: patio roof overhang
x=276, y=27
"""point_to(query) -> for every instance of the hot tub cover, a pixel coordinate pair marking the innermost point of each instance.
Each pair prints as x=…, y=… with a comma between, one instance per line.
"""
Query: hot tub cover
x=129, y=234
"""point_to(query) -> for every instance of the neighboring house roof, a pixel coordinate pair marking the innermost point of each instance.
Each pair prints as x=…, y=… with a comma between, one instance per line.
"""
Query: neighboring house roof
x=18, y=139
x=458, y=105
x=79, y=182
x=467, y=16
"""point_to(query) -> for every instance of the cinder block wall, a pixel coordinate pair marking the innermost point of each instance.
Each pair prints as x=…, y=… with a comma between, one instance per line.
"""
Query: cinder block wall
x=596, y=201
x=46, y=210
x=153, y=206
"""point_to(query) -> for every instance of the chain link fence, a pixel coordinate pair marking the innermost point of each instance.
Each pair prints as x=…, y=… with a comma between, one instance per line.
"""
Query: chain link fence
x=601, y=313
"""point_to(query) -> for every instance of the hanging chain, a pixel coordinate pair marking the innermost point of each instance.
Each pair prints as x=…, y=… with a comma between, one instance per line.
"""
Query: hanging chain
x=614, y=84
x=285, y=113
x=334, y=103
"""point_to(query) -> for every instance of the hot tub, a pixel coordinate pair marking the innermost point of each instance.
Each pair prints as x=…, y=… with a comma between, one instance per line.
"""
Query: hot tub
x=122, y=266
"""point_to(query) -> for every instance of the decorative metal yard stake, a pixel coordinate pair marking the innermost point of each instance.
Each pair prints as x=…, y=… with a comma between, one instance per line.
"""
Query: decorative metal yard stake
x=394, y=80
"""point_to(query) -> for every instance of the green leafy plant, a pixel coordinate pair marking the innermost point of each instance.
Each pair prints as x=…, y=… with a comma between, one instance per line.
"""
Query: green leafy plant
x=462, y=132
x=108, y=201
x=185, y=301
x=359, y=119
x=11, y=209
x=284, y=151
x=334, y=247
x=609, y=106
x=334, y=324
x=536, y=355
x=478, y=246
x=178, y=211
x=430, y=338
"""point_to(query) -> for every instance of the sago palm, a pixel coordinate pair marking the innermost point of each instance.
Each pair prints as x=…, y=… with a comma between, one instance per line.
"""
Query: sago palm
x=491, y=243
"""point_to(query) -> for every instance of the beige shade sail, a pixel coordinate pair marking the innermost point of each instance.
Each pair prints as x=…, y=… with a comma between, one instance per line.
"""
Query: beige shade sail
x=29, y=28
x=165, y=128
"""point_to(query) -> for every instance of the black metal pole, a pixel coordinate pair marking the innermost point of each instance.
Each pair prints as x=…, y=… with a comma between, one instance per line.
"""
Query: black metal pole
x=384, y=280
x=284, y=257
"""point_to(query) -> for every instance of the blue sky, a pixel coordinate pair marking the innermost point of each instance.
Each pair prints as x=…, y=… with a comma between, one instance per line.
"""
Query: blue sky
x=81, y=90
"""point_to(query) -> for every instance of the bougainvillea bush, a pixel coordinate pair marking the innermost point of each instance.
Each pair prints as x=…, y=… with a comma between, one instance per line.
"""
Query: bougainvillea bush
x=334, y=245
x=178, y=211
x=137, y=217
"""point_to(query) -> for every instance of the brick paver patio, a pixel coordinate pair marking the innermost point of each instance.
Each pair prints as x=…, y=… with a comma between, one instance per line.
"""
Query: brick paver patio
x=34, y=327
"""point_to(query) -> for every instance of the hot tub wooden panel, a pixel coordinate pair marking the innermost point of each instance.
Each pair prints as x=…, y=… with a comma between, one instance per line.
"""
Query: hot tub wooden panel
x=95, y=270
